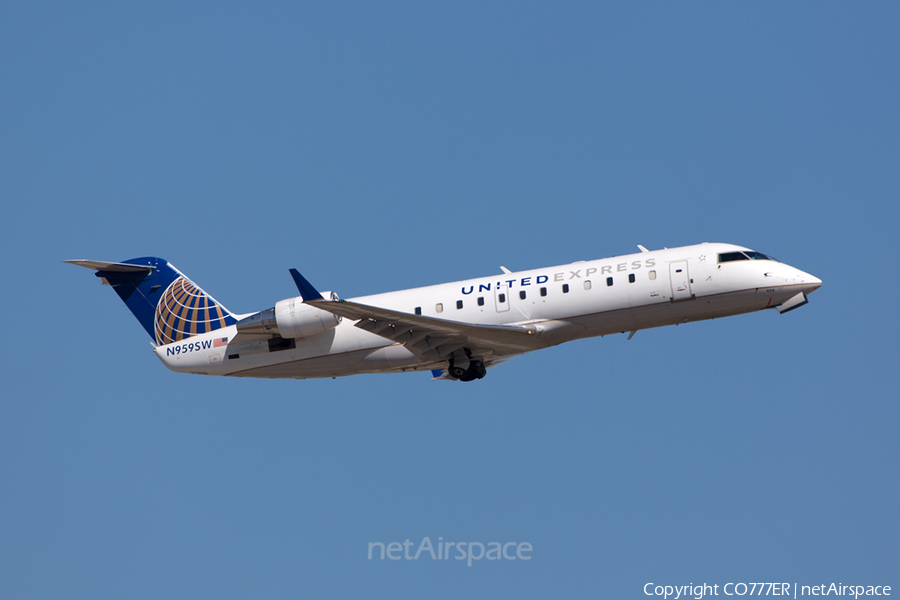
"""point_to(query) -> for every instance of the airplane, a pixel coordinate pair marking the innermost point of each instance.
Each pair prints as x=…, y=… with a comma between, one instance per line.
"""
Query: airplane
x=455, y=330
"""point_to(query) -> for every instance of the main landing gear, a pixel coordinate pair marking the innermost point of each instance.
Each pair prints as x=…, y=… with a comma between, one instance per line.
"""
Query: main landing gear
x=464, y=369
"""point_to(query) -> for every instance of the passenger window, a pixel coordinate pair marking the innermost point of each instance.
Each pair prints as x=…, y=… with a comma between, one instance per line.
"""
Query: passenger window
x=565, y=288
x=458, y=304
x=652, y=275
x=631, y=278
x=522, y=294
x=481, y=301
x=543, y=291
x=501, y=298
x=418, y=310
x=587, y=284
x=439, y=307
x=609, y=281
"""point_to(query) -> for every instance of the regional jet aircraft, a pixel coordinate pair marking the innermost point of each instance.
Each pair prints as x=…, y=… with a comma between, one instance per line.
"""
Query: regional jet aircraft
x=456, y=330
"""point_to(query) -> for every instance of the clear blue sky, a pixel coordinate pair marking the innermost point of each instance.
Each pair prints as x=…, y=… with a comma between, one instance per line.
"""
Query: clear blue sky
x=383, y=147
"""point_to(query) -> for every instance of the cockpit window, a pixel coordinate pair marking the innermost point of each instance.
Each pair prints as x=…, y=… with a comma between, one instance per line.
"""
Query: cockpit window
x=730, y=256
x=757, y=255
x=746, y=255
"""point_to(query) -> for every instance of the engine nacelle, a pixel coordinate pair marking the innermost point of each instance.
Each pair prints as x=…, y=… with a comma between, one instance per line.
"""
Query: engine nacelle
x=291, y=318
x=298, y=320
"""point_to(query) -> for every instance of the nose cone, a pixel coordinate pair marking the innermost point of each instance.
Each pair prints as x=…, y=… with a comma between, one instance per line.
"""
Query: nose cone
x=809, y=282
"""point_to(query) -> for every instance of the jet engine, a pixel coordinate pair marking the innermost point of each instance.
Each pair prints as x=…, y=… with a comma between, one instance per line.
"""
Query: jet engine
x=291, y=318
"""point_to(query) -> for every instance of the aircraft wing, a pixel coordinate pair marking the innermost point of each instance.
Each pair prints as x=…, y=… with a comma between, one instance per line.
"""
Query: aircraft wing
x=431, y=338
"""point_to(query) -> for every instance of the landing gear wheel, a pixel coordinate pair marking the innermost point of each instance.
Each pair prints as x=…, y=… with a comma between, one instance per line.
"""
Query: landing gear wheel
x=475, y=371
x=456, y=372
x=480, y=370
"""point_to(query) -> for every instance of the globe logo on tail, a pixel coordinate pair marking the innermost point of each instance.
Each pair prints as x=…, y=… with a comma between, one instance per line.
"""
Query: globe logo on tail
x=184, y=310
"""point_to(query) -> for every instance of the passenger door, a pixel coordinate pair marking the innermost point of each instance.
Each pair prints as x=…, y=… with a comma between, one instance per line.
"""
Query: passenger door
x=680, y=279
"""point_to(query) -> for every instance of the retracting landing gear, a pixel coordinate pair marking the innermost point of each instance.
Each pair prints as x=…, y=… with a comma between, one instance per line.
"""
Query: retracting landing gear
x=464, y=369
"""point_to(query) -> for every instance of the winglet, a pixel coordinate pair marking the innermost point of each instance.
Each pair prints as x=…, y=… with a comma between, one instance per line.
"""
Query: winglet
x=642, y=248
x=307, y=291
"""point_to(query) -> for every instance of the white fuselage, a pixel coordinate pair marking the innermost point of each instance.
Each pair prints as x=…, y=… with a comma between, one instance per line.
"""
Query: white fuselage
x=566, y=302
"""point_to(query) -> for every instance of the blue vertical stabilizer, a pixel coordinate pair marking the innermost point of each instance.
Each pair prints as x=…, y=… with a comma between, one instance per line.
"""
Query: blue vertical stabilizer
x=168, y=305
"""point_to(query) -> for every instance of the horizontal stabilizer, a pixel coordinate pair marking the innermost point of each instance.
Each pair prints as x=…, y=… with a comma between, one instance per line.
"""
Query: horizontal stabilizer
x=112, y=267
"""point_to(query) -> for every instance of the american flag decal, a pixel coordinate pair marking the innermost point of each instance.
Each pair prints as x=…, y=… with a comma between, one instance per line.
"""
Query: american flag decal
x=219, y=342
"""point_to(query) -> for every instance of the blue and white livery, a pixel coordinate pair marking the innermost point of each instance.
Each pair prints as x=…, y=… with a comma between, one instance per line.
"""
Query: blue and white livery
x=455, y=330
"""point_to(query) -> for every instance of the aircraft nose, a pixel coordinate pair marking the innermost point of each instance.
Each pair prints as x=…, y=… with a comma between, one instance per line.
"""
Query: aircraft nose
x=810, y=282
